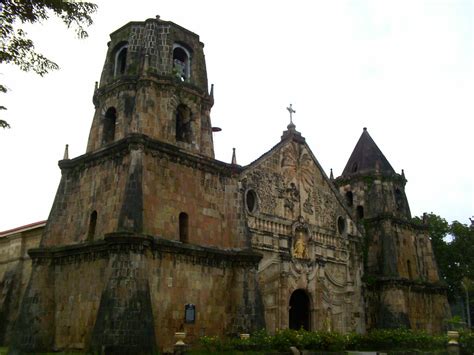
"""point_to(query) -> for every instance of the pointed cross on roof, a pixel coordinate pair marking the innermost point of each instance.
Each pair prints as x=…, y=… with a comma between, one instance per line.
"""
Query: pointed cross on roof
x=291, y=111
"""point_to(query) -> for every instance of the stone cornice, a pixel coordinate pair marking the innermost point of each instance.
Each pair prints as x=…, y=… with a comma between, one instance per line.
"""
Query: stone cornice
x=154, y=147
x=134, y=82
x=395, y=220
x=414, y=285
x=368, y=177
x=158, y=21
x=117, y=243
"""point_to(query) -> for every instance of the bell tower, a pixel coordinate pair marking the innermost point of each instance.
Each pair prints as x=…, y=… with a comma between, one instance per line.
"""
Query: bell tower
x=400, y=269
x=370, y=185
x=154, y=82
x=146, y=223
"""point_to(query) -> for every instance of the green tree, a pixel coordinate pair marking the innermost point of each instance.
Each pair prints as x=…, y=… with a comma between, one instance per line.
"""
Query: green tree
x=15, y=46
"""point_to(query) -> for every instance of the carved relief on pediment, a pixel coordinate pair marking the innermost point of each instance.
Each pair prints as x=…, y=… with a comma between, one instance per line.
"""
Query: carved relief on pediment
x=325, y=208
x=263, y=183
x=299, y=171
x=297, y=165
x=308, y=204
x=291, y=198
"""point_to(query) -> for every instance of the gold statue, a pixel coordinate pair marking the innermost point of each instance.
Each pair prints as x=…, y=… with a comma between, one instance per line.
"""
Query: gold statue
x=299, y=249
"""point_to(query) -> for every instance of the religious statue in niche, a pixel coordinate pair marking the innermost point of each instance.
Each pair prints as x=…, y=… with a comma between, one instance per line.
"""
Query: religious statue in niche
x=300, y=250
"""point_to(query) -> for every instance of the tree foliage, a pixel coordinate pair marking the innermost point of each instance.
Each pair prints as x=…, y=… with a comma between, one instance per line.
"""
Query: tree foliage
x=15, y=46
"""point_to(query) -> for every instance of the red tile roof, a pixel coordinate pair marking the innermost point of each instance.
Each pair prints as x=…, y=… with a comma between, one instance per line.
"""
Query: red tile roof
x=22, y=228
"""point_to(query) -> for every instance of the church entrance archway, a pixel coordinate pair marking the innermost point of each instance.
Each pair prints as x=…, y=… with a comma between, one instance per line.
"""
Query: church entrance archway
x=299, y=310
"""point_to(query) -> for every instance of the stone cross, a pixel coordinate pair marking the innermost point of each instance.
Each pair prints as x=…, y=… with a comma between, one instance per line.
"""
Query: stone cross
x=291, y=111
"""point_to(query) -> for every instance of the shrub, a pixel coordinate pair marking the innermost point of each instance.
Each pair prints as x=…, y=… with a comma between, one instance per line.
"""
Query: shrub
x=385, y=339
x=466, y=340
x=214, y=344
x=380, y=339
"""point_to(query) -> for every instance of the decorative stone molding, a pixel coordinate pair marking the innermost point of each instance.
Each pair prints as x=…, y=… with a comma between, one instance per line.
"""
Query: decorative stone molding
x=115, y=243
x=157, y=148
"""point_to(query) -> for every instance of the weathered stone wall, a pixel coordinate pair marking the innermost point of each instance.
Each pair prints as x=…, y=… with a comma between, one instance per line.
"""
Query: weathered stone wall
x=376, y=194
x=206, y=192
x=145, y=190
x=79, y=284
x=225, y=297
x=129, y=292
x=94, y=182
x=15, y=270
x=156, y=182
x=400, y=249
x=400, y=303
x=148, y=105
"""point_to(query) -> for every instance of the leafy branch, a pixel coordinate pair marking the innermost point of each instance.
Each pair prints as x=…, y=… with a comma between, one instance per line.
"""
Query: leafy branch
x=15, y=46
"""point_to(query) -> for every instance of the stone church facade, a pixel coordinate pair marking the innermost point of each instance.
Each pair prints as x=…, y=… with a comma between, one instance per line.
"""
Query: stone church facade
x=149, y=234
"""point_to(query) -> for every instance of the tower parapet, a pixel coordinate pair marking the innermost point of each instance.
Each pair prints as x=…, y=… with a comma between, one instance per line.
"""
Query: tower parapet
x=154, y=82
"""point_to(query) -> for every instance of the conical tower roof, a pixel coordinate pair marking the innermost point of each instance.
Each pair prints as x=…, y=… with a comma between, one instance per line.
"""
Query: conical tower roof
x=367, y=158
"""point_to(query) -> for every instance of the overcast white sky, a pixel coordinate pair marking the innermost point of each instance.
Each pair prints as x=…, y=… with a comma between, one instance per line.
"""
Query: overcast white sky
x=404, y=69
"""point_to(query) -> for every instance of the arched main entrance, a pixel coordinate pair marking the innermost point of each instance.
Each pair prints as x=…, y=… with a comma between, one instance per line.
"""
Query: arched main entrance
x=299, y=310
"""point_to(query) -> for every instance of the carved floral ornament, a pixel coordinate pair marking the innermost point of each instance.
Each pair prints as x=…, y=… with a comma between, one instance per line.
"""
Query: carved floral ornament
x=297, y=162
x=298, y=171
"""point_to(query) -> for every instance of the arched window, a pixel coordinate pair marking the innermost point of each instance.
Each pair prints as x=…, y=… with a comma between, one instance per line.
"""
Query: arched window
x=108, y=126
x=181, y=62
x=349, y=198
x=360, y=212
x=92, y=225
x=183, y=124
x=121, y=60
x=183, y=227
